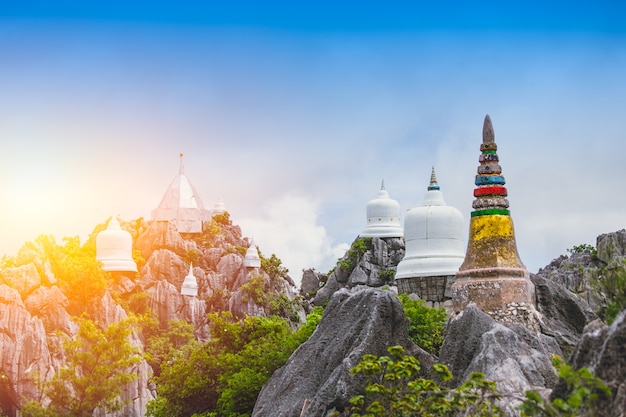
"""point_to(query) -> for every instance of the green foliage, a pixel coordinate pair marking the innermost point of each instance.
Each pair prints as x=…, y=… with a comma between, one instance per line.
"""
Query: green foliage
x=359, y=247
x=394, y=389
x=95, y=371
x=387, y=274
x=218, y=300
x=255, y=288
x=78, y=274
x=584, y=388
x=222, y=218
x=224, y=375
x=582, y=248
x=273, y=266
x=426, y=324
x=612, y=283
x=191, y=257
x=164, y=344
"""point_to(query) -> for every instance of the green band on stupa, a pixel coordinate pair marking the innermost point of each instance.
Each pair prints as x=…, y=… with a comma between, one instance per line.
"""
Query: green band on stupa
x=488, y=212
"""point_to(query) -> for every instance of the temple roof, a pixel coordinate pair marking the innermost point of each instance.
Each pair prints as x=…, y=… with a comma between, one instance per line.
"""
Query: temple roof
x=181, y=204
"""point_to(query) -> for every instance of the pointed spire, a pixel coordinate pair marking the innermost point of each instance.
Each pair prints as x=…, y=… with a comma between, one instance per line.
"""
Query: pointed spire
x=433, y=180
x=382, y=184
x=492, y=274
x=181, y=167
x=488, y=134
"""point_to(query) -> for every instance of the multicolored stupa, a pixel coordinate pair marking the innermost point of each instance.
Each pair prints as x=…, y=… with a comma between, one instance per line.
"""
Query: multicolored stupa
x=492, y=274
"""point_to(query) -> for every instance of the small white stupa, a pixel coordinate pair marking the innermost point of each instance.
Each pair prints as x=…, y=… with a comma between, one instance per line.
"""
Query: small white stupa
x=114, y=248
x=181, y=205
x=252, y=258
x=219, y=207
x=190, y=284
x=383, y=216
x=434, y=242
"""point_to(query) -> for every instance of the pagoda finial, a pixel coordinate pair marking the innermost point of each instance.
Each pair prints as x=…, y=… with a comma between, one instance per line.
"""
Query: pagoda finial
x=181, y=168
x=433, y=180
x=382, y=184
x=488, y=134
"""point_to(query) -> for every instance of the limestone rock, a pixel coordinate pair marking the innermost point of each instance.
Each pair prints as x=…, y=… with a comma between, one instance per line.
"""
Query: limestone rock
x=23, y=278
x=229, y=266
x=508, y=354
x=382, y=254
x=24, y=349
x=611, y=248
x=49, y=304
x=601, y=349
x=165, y=300
x=166, y=265
x=367, y=321
x=161, y=235
x=564, y=315
x=310, y=281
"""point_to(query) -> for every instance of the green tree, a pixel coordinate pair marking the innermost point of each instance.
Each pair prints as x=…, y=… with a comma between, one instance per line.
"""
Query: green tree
x=226, y=374
x=394, y=389
x=584, y=391
x=426, y=324
x=97, y=367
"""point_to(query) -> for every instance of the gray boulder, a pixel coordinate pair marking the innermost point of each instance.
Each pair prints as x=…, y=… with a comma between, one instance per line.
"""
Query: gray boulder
x=601, y=350
x=509, y=354
x=611, y=248
x=564, y=314
x=366, y=321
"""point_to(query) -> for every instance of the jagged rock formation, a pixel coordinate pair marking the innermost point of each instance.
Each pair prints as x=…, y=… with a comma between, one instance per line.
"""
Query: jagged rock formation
x=365, y=321
x=370, y=261
x=34, y=308
x=578, y=271
x=601, y=350
x=509, y=354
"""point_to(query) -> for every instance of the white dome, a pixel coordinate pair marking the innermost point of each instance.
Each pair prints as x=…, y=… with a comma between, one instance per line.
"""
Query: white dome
x=252, y=259
x=114, y=248
x=219, y=207
x=434, y=238
x=190, y=284
x=383, y=216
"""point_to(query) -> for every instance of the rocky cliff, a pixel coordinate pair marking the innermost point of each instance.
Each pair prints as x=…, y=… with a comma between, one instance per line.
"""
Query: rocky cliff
x=35, y=313
x=360, y=319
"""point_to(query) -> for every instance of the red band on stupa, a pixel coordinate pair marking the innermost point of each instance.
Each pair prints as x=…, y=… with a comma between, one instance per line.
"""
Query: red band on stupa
x=495, y=190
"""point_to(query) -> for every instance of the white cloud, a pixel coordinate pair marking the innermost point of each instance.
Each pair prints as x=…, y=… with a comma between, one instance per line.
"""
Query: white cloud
x=288, y=227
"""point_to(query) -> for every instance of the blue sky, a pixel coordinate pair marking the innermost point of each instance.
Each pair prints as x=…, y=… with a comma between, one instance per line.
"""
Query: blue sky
x=293, y=112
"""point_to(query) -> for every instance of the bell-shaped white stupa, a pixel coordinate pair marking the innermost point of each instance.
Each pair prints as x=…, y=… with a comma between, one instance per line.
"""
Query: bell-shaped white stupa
x=181, y=205
x=252, y=259
x=190, y=284
x=383, y=216
x=219, y=207
x=114, y=248
x=434, y=242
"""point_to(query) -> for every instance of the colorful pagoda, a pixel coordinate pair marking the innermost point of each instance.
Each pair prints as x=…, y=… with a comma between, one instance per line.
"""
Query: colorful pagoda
x=492, y=274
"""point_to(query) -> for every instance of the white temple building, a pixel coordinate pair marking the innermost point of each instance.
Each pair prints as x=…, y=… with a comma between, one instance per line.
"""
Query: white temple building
x=190, y=284
x=181, y=205
x=114, y=248
x=383, y=216
x=435, y=249
x=252, y=258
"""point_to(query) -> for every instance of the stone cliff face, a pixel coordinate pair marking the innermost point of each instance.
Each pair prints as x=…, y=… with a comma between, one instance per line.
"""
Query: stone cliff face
x=33, y=308
x=318, y=372
x=370, y=261
x=516, y=357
